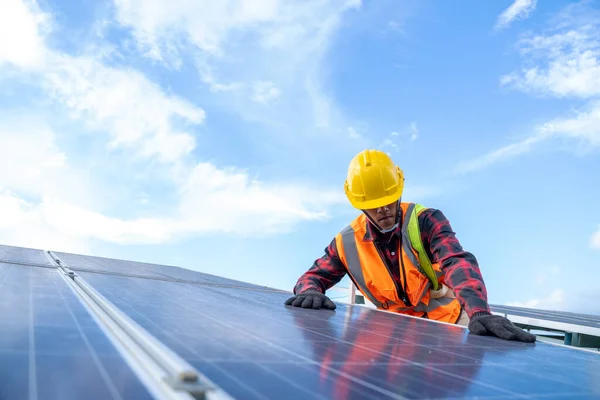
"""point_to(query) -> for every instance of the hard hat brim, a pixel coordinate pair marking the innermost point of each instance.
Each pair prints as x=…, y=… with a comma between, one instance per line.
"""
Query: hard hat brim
x=376, y=203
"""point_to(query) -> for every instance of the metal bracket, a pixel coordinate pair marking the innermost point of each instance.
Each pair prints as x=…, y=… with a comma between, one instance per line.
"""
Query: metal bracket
x=60, y=265
x=197, y=389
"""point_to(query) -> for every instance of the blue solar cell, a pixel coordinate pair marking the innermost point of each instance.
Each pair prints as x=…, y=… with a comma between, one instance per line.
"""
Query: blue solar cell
x=79, y=262
x=100, y=264
x=23, y=255
x=50, y=346
x=248, y=342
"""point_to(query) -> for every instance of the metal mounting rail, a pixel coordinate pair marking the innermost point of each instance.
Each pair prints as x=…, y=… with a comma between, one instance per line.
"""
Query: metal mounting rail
x=166, y=374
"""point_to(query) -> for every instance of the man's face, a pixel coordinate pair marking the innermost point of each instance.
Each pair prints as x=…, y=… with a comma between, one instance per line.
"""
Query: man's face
x=385, y=216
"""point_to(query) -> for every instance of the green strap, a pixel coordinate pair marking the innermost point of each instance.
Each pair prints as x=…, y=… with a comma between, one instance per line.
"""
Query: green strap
x=414, y=233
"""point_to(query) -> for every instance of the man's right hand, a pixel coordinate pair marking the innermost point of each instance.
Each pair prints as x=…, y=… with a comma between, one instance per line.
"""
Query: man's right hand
x=311, y=299
x=485, y=323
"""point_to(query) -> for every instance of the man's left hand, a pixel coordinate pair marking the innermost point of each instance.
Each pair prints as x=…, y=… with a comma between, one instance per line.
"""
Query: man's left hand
x=496, y=325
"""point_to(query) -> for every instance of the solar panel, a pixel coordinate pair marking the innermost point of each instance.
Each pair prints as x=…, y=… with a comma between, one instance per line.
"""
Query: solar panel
x=22, y=255
x=79, y=262
x=51, y=347
x=243, y=339
x=252, y=346
x=556, y=316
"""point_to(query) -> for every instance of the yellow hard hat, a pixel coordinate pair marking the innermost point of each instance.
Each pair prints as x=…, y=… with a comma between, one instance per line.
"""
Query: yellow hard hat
x=373, y=180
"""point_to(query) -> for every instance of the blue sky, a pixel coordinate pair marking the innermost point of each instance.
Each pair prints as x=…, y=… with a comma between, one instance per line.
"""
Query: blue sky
x=217, y=137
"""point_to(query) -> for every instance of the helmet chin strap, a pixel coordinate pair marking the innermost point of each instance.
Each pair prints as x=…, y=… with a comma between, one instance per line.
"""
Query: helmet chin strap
x=397, y=222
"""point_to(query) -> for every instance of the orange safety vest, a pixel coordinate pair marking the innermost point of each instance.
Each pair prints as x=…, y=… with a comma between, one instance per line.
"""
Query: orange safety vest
x=370, y=274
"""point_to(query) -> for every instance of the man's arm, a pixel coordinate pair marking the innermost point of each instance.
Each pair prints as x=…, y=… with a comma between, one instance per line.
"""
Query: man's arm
x=324, y=273
x=460, y=267
x=310, y=289
x=462, y=274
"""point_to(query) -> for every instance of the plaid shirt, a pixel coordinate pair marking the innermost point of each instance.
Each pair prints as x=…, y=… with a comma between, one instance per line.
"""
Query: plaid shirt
x=460, y=268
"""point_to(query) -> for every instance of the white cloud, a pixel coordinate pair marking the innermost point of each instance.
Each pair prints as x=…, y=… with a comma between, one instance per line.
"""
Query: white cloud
x=136, y=116
x=595, y=240
x=27, y=157
x=395, y=139
x=265, y=92
x=395, y=26
x=161, y=26
x=250, y=52
x=388, y=142
x=498, y=155
x=122, y=102
x=22, y=29
x=353, y=133
x=584, y=126
x=208, y=77
x=135, y=112
x=75, y=221
x=23, y=224
x=32, y=163
x=579, y=301
x=414, y=131
x=213, y=200
x=209, y=199
x=548, y=294
x=518, y=9
x=230, y=200
x=565, y=61
x=556, y=300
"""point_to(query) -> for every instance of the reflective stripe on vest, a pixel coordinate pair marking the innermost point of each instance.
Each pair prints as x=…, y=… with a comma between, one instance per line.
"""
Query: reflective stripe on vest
x=355, y=269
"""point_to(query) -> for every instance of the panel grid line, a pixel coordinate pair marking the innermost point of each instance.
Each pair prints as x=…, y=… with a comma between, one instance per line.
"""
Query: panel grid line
x=109, y=383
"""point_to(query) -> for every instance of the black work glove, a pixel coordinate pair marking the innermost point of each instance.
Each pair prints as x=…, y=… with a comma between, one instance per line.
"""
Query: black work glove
x=496, y=325
x=311, y=299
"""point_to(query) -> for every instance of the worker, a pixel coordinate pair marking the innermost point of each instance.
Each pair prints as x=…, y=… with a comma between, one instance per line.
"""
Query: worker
x=402, y=256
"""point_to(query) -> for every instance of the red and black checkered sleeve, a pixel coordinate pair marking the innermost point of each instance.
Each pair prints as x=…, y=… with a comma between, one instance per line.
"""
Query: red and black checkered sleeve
x=460, y=267
x=324, y=273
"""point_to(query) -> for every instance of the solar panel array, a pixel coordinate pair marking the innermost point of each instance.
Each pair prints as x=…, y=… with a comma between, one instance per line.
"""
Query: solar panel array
x=592, y=321
x=247, y=342
x=109, y=266
x=25, y=256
